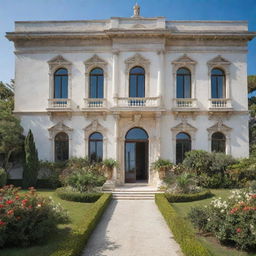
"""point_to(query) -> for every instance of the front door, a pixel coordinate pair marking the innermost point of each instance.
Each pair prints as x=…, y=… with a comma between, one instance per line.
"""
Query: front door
x=136, y=157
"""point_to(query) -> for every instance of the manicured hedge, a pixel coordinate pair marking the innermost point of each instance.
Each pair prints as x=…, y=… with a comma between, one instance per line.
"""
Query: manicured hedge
x=172, y=198
x=181, y=230
x=64, y=194
x=42, y=183
x=75, y=242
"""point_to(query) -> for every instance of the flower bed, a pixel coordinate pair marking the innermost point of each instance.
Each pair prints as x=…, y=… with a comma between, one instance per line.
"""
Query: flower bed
x=172, y=198
x=232, y=221
x=69, y=195
x=26, y=219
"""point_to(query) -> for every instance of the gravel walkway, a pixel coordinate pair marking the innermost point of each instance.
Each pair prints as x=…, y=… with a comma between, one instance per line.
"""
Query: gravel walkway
x=132, y=228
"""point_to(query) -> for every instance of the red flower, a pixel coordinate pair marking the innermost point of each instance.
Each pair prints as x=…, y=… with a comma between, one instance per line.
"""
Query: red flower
x=24, y=201
x=253, y=196
x=1, y=205
x=233, y=210
x=9, y=202
x=238, y=230
x=2, y=223
x=10, y=212
x=248, y=208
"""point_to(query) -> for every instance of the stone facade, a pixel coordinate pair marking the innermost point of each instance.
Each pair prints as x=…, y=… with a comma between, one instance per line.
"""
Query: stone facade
x=116, y=45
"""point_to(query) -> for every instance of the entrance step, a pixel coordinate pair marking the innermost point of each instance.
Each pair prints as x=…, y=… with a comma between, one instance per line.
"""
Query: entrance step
x=135, y=192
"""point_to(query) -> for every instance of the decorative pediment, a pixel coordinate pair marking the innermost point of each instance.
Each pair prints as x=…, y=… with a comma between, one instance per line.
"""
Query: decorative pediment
x=219, y=127
x=136, y=60
x=184, y=126
x=95, y=61
x=138, y=26
x=94, y=126
x=59, y=60
x=59, y=127
x=219, y=60
x=184, y=60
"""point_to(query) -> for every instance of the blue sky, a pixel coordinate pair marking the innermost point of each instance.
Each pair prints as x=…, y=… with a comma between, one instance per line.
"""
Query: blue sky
x=12, y=10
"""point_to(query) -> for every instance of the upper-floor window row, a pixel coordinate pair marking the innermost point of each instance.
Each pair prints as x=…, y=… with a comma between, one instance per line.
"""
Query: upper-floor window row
x=184, y=81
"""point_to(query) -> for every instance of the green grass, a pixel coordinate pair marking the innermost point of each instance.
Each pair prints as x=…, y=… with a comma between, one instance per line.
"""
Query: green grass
x=209, y=242
x=76, y=212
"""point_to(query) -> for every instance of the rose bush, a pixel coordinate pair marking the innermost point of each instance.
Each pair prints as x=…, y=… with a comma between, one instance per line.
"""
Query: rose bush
x=232, y=221
x=26, y=219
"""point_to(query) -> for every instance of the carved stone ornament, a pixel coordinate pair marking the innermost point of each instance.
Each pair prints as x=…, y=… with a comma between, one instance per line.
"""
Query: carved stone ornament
x=136, y=11
x=93, y=62
x=57, y=62
x=184, y=126
x=219, y=127
x=220, y=62
x=59, y=127
x=94, y=126
x=137, y=60
x=184, y=61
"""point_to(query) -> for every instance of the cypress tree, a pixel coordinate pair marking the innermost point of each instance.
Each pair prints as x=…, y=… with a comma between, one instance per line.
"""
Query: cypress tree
x=31, y=165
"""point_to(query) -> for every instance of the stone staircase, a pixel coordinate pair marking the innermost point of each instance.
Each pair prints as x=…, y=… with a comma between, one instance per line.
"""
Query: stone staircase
x=135, y=191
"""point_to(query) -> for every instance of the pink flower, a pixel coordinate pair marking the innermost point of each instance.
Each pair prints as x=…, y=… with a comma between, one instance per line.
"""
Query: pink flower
x=238, y=230
x=9, y=202
x=10, y=212
x=2, y=223
x=234, y=210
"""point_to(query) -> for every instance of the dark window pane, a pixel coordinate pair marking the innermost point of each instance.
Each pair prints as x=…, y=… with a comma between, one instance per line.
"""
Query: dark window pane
x=136, y=134
x=96, y=136
x=183, y=83
x=61, y=84
x=141, y=84
x=61, y=147
x=93, y=86
x=132, y=89
x=218, y=142
x=180, y=92
x=137, y=82
x=183, y=145
x=97, y=71
x=137, y=70
x=96, y=88
x=187, y=87
x=96, y=147
x=100, y=87
x=217, y=84
x=183, y=71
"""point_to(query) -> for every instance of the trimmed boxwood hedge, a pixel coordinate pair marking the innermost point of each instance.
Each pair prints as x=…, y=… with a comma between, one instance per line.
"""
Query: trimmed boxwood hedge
x=172, y=198
x=181, y=230
x=64, y=194
x=74, y=243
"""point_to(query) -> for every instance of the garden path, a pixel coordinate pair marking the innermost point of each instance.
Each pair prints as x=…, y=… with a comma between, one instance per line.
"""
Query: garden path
x=132, y=228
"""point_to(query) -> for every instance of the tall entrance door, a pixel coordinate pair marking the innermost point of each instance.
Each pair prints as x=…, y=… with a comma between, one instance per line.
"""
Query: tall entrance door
x=136, y=155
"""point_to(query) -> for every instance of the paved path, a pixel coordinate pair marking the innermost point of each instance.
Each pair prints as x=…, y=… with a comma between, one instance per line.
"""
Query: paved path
x=132, y=228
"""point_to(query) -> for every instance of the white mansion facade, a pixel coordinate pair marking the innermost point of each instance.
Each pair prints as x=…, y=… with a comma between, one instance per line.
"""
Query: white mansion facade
x=132, y=89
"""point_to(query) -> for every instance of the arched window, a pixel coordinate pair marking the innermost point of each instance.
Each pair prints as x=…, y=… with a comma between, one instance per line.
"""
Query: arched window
x=136, y=134
x=96, y=147
x=137, y=82
x=61, y=147
x=218, y=142
x=96, y=87
x=61, y=84
x=183, y=81
x=218, y=84
x=183, y=145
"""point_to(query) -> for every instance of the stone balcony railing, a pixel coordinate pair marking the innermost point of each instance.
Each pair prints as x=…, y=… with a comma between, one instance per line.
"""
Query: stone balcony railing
x=220, y=104
x=59, y=104
x=147, y=102
x=95, y=103
x=185, y=103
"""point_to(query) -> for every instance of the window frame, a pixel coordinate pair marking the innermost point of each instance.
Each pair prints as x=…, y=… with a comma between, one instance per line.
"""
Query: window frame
x=184, y=83
x=66, y=142
x=95, y=141
x=137, y=85
x=97, y=83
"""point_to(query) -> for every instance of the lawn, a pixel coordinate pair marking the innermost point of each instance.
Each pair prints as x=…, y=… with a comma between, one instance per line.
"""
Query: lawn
x=76, y=212
x=211, y=243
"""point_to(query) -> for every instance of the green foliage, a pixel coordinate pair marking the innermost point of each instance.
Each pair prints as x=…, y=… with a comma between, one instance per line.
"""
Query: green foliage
x=75, y=242
x=31, y=164
x=181, y=230
x=65, y=193
x=109, y=163
x=3, y=177
x=173, y=198
x=232, y=221
x=85, y=181
x=26, y=219
x=161, y=164
x=251, y=83
x=78, y=162
x=11, y=138
x=211, y=169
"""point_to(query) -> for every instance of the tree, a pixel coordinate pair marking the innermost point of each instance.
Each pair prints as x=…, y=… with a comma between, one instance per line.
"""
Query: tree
x=31, y=165
x=11, y=138
x=251, y=83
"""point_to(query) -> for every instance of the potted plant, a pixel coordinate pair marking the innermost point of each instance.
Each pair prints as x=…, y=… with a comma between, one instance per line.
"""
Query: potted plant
x=108, y=167
x=162, y=166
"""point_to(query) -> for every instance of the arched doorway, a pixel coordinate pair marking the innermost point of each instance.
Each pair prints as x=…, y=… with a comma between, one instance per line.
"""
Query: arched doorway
x=136, y=155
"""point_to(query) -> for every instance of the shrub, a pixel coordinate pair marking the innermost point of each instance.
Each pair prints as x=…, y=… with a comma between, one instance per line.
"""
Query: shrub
x=110, y=163
x=31, y=165
x=198, y=217
x=75, y=242
x=188, y=197
x=232, y=221
x=84, y=181
x=161, y=164
x=26, y=219
x=181, y=230
x=68, y=194
x=3, y=177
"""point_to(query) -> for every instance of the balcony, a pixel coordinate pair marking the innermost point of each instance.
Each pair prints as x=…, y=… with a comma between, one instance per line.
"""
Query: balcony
x=147, y=102
x=220, y=104
x=93, y=105
x=185, y=104
x=59, y=105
